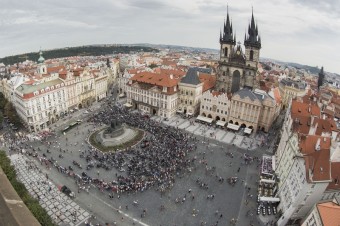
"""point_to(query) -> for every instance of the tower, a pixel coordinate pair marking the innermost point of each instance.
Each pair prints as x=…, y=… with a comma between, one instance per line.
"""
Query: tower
x=237, y=70
x=42, y=67
x=320, y=78
x=227, y=39
x=252, y=43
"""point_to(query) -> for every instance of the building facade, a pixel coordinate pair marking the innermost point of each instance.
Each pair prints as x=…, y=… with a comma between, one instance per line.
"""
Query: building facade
x=154, y=93
x=215, y=105
x=290, y=89
x=190, y=93
x=40, y=105
x=302, y=161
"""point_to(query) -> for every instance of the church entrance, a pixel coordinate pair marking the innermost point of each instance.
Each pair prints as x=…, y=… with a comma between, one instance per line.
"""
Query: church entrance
x=235, y=86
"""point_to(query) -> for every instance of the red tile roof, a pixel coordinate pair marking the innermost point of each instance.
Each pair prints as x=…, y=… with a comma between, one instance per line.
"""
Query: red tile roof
x=318, y=161
x=335, y=174
x=155, y=79
x=304, y=109
x=329, y=213
x=55, y=69
x=277, y=95
x=208, y=80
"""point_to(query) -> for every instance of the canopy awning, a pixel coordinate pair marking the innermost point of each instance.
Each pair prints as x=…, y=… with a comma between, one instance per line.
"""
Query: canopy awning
x=269, y=199
x=121, y=95
x=189, y=113
x=267, y=181
x=273, y=162
x=233, y=126
x=204, y=119
x=179, y=111
x=128, y=105
x=221, y=123
x=247, y=130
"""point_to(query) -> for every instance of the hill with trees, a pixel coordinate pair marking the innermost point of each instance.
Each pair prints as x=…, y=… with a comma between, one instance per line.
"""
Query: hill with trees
x=92, y=50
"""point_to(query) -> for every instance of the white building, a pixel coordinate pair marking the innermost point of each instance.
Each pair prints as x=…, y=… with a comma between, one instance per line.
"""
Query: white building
x=302, y=161
x=215, y=105
x=40, y=105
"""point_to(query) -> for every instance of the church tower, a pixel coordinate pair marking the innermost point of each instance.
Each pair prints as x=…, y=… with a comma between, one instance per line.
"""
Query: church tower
x=236, y=69
x=227, y=40
x=42, y=69
x=320, y=78
x=252, y=43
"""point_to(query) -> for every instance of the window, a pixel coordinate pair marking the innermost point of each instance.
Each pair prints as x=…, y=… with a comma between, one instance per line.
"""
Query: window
x=251, y=55
x=225, y=51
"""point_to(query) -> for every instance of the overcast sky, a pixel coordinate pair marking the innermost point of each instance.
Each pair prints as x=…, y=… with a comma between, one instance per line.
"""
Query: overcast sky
x=301, y=31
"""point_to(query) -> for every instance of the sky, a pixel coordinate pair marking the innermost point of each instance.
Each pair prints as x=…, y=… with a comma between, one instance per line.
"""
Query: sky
x=300, y=31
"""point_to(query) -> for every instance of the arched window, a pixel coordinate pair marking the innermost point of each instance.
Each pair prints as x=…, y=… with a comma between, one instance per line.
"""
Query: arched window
x=225, y=51
x=251, y=57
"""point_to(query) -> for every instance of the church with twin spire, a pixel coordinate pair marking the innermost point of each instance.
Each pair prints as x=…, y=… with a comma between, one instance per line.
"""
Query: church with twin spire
x=237, y=69
x=247, y=108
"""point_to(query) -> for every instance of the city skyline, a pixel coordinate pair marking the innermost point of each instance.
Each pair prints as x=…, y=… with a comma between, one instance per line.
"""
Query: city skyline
x=298, y=31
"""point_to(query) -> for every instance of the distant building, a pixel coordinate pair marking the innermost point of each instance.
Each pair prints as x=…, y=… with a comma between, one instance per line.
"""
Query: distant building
x=291, y=89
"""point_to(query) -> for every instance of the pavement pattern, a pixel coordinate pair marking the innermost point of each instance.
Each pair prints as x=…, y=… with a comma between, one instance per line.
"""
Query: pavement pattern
x=62, y=209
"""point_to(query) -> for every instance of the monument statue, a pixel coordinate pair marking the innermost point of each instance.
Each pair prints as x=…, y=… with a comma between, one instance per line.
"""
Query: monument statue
x=115, y=125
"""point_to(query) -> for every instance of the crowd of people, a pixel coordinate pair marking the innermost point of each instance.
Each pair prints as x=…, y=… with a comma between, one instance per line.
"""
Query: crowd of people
x=154, y=165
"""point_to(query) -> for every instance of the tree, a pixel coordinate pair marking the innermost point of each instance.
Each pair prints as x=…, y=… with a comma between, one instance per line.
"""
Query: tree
x=152, y=66
x=3, y=101
x=1, y=119
x=12, y=115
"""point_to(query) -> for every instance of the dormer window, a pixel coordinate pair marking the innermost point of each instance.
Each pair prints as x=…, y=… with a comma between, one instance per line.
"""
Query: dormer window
x=164, y=89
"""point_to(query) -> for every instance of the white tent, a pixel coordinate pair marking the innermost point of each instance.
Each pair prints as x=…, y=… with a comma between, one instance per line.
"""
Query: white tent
x=269, y=199
x=233, y=126
x=247, y=130
x=221, y=123
x=204, y=119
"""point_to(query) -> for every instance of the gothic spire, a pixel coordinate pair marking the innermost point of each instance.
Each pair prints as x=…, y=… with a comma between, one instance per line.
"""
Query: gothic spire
x=321, y=78
x=227, y=36
x=253, y=38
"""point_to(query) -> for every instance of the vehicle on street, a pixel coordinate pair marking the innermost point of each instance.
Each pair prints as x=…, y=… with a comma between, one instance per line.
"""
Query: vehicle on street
x=67, y=191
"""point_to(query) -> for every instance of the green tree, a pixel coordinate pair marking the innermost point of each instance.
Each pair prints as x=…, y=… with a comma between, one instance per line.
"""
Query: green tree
x=3, y=101
x=12, y=115
x=152, y=66
x=1, y=118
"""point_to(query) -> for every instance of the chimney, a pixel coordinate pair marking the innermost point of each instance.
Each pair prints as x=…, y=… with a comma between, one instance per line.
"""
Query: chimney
x=317, y=145
x=171, y=76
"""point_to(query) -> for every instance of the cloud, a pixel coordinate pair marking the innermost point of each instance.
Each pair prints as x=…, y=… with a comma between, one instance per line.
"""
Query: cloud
x=304, y=31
